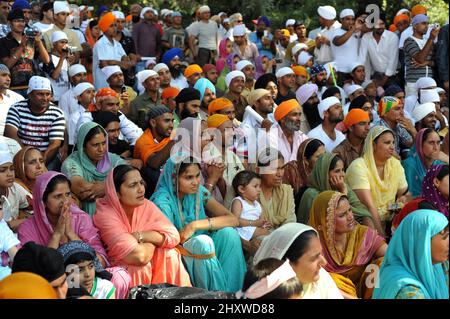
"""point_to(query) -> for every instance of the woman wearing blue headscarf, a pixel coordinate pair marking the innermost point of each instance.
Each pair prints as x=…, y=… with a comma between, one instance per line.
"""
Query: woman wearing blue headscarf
x=416, y=262
x=211, y=248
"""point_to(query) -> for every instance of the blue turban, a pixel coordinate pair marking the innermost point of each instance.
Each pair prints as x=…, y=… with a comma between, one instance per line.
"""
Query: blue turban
x=317, y=69
x=21, y=4
x=419, y=19
x=203, y=84
x=265, y=20
x=169, y=55
x=102, y=9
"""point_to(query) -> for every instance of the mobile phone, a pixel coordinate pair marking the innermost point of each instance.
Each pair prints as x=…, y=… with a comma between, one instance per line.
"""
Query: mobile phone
x=278, y=61
x=124, y=89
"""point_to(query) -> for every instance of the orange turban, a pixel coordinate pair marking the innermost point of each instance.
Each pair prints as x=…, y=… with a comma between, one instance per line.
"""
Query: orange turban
x=170, y=92
x=192, y=69
x=355, y=116
x=285, y=108
x=418, y=9
x=26, y=285
x=401, y=17
x=105, y=22
x=106, y=92
x=129, y=18
x=300, y=70
x=285, y=33
x=392, y=28
x=217, y=120
x=219, y=104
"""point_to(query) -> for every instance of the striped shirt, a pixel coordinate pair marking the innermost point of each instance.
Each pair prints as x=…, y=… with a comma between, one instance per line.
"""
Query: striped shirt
x=36, y=129
x=411, y=47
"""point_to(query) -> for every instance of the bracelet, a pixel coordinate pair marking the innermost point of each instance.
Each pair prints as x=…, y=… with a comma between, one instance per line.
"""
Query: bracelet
x=210, y=226
x=210, y=185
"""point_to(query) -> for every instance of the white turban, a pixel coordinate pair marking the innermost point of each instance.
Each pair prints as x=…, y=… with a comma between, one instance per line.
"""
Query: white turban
x=233, y=74
x=242, y=64
x=239, y=30
x=81, y=87
x=326, y=104
x=58, y=36
x=60, y=6
x=119, y=15
x=298, y=47
x=290, y=22
x=422, y=110
x=439, y=90
x=5, y=155
x=110, y=70
x=305, y=92
x=327, y=12
x=284, y=71
x=349, y=90
x=76, y=68
x=160, y=66
x=303, y=58
x=151, y=60
x=401, y=11
x=144, y=75
x=39, y=83
x=145, y=10
x=366, y=83
x=204, y=9
x=355, y=65
x=425, y=82
x=346, y=13
x=430, y=95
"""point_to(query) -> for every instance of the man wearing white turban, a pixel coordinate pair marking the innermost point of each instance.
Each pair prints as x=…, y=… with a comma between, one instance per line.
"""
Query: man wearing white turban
x=205, y=31
x=242, y=46
x=322, y=52
x=235, y=82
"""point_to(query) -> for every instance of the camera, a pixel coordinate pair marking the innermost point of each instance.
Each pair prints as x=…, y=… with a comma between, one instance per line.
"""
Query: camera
x=436, y=25
x=31, y=33
x=278, y=61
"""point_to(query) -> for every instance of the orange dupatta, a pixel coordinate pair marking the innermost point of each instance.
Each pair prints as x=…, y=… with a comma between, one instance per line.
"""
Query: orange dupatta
x=146, y=146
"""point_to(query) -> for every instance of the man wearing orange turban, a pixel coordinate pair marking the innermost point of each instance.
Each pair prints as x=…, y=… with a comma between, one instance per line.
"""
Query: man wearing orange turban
x=285, y=135
x=418, y=9
x=168, y=96
x=106, y=21
x=401, y=22
x=357, y=126
x=216, y=120
x=193, y=73
x=301, y=76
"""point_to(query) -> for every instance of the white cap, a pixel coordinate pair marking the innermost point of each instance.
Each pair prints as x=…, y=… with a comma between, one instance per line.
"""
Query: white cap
x=119, y=15
x=290, y=22
x=346, y=12
x=204, y=9
x=60, y=6
x=439, y=90
x=425, y=82
x=349, y=90
x=226, y=20
x=366, y=83
x=401, y=11
x=284, y=71
x=327, y=12
x=239, y=30
x=39, y=83
x=422, y=110
x=160, y=66
x=110, y=70
x=242, y=64
x=81, y=87
x=430, y=95
x=355, y=65
x=76, y=68
x=59, y=35
x=326, y=104
x=164, y=11
x=233, y=74
x=144, y=75
x=5, y=154
x=303, y=58
x=298, y=47
x=150, y=61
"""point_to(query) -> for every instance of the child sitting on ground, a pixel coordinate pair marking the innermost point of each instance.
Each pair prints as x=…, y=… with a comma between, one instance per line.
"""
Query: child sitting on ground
x=246, y=207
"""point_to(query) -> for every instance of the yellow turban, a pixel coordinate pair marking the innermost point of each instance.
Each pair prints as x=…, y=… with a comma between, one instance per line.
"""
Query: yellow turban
x=285, y=108
x=219, y=104
x=285, y=33
x=26, y=285
x=192, y=69
x=217, y=120
x=105, y=22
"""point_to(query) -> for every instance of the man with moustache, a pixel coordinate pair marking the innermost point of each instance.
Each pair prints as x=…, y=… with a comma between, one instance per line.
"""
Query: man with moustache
x=319, y=77
x=235, y=81
x=307, y=97
x=207, y=92
x=376, y=47
x=357, y=126
x=188, y=105
x=285, y=135
x=286, y=83
x=331, y=112
x=172, y=59
x=164, y=75
x=154, y=146
x=425, y=116
x=210, y=73
x=249, y=71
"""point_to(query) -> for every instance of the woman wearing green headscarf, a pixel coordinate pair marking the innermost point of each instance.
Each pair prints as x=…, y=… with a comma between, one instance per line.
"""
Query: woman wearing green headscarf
x=89, y=165
x=416, y=262
x=328, y=174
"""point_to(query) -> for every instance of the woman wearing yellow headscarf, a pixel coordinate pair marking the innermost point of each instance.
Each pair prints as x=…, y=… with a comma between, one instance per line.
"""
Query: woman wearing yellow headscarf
x=347, y=246
x=378, y=178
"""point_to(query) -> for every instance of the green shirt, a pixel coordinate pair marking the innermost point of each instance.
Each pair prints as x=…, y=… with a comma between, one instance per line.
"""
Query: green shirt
x=139, y=108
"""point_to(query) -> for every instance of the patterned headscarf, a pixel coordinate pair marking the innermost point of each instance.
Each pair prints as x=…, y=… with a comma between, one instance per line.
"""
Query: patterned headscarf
x=430, y=191
x=317, y=69
x=386, y=104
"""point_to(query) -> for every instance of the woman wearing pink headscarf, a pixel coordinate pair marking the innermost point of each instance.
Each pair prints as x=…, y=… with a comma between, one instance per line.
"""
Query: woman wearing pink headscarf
x=136, y=233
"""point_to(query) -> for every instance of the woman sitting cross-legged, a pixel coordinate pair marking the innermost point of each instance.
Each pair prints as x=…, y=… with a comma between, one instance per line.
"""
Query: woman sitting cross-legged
x=137, y=235
x=211, y=247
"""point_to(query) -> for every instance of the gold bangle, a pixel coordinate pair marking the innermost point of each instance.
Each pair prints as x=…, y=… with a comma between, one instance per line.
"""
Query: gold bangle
x=210, y=224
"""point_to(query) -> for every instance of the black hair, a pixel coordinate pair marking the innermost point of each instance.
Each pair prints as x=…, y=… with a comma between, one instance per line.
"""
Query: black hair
x=265, y=155
x=312, y=147
x=56, y=180
x=384, y=132
x=93, y=131
x=119, y=174
x=334, y=162
x=427, y=132
x=243, y=178
x=93, y=23
x=186, y=163
x=44, y=8
x=442, y=173
x=299, y=246
x=76, y=293
x=265, y=267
